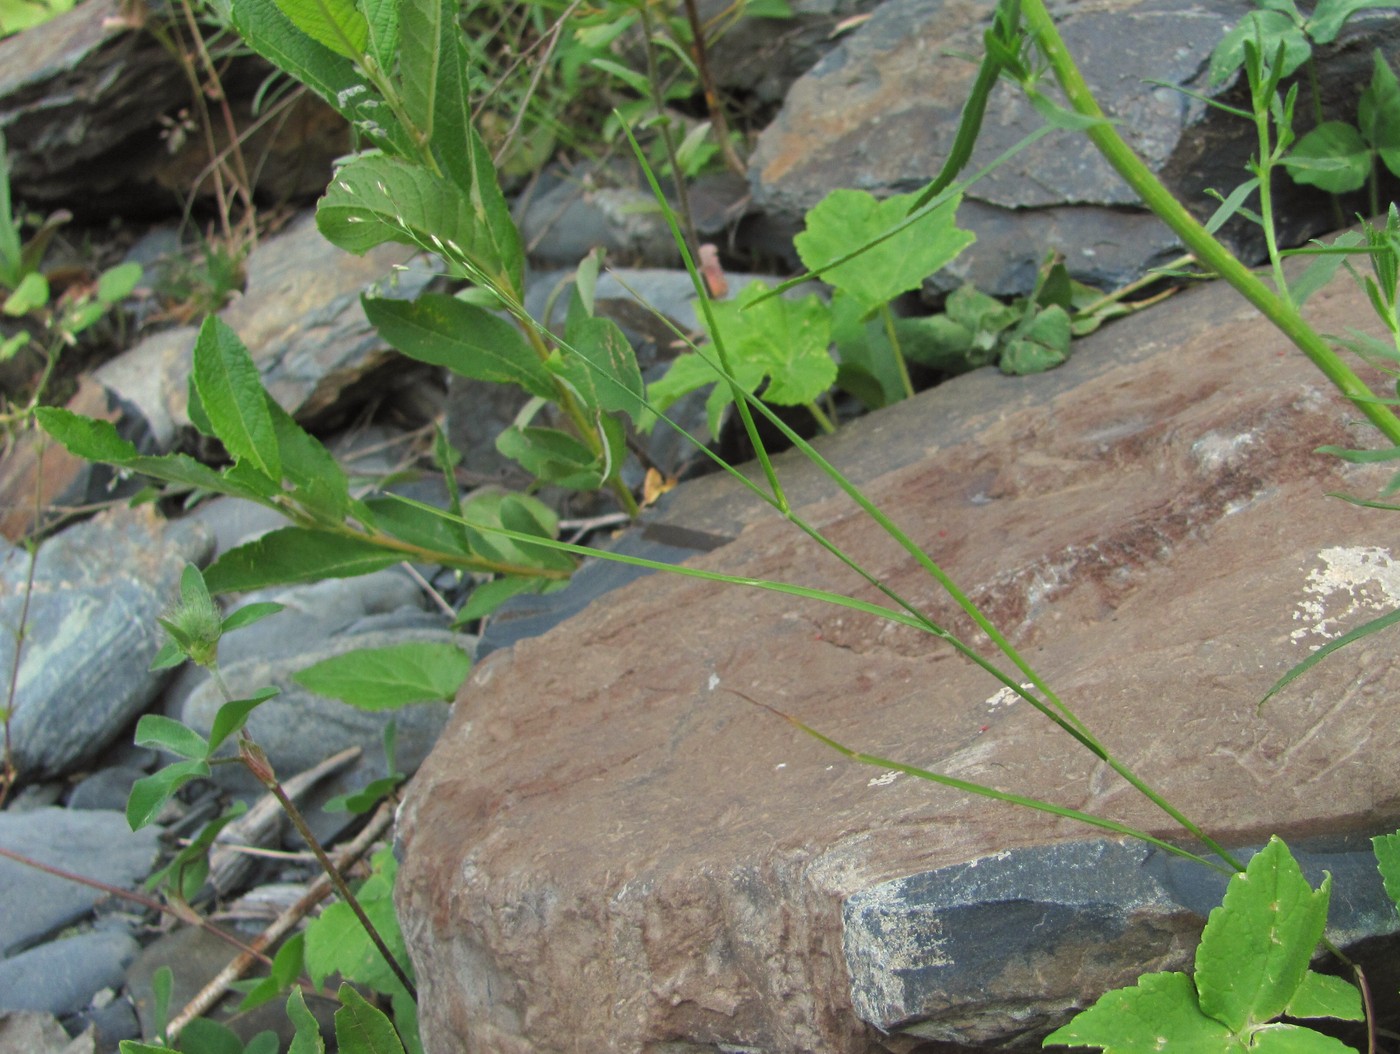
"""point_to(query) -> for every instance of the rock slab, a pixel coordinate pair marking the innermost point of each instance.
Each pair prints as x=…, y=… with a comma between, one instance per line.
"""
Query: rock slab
x=612, y=849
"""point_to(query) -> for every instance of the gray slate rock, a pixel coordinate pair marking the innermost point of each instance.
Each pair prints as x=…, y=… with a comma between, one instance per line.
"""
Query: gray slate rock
x=61, y=977
x=90, y=633
x=30, y=1032
x=579, y=211
x=301, y=320
x=924, y=947
x=80, y=101
x=100, y=845
x=879, y=114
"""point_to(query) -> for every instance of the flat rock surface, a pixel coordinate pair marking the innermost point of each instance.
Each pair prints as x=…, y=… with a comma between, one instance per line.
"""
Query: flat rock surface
x=610, y=849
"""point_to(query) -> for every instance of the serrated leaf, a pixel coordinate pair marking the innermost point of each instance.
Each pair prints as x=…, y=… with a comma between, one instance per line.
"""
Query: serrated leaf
x=376, y=198
x=553, y=457
x=85, y=437
x=848, y=218
x=601, y=366
x=1160, y=1012
x=233, y=715
x=1332, y=157
x=232, y=394
x=390, y=677
x=150, y=793
x=1039, y=345
x=444, y=331
x=1295, y=1039
x=1321, y=995
x=1257, y=944
x=333, y=77
x=334, y=24
x=786, y=340
x=418, y=527
x=318, y=482
x=165, y=733
x=1387, y=850
x=337, y=943
x=295, y=554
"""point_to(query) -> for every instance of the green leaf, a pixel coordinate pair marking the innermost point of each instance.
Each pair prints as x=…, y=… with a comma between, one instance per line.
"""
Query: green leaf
x=865, y=352
x=295, y=554
x=1321, y=995
x=233, y=715
x=333, y=77
x=1160, y=1012
x=265, y=1042
x=419, y=527
x=282, y=975
x=85, y=437
x=1271, y=28
x=1387, y=850
x=308, y=1031
x=1330, y=15
x=375, y=199
x=318, y=482
x=150, y=793
x=116, y=283
x=361, y=1029
x=472, y=343
x=489, y=508
x=1378, y=112
x=600, y=364
x=337, y=943
x=1333, y=157
x=1295, y=1039
x=248, y=614
x=488, y=596
x=31, y=294
x=334, y=24
x=204, y=1036
x=164, y=733
x=552, y=456
x=1039, y=345
x=1256, y=946
x=390, y=677
x=783, y=339
x=1364, y=630
x=232, y=394
x=846, y=218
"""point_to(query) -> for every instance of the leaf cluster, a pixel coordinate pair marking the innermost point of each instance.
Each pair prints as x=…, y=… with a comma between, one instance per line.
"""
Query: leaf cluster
x=1252, y=967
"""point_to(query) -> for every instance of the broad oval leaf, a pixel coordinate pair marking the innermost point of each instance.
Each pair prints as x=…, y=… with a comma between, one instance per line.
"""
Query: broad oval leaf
x=164, y=733
x=444, y=331
x=552, y=456
x=601, y=365
x=150, y=793
x=295, y=554
x=390, y=677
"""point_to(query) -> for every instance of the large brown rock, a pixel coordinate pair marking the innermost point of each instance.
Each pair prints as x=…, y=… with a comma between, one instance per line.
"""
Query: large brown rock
x=613, y=849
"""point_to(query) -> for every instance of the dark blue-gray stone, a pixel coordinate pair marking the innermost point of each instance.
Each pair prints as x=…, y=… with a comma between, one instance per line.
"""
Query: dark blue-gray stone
x=61, y=977
x=100, y=845
x=925, y=950
x=90, y=633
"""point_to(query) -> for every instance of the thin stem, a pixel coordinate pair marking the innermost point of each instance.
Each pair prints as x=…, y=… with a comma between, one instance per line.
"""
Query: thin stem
x=824, y=422
x=719, y=125
x=887, y=316
x=663, y=123
x=1210, y=252
x=258, y=766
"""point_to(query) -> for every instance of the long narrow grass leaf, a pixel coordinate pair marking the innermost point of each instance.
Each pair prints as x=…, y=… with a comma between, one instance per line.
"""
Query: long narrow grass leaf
x=1363, y=630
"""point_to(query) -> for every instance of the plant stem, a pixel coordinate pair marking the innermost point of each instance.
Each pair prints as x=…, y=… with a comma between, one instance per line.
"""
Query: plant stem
x=663, y=124
x=256, y=761
x=719, y=126
x=824, y=422
x=887, y=316
x=1206, y=249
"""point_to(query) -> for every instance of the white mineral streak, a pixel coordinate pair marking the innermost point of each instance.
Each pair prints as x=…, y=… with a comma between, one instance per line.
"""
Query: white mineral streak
x=1352, y=583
